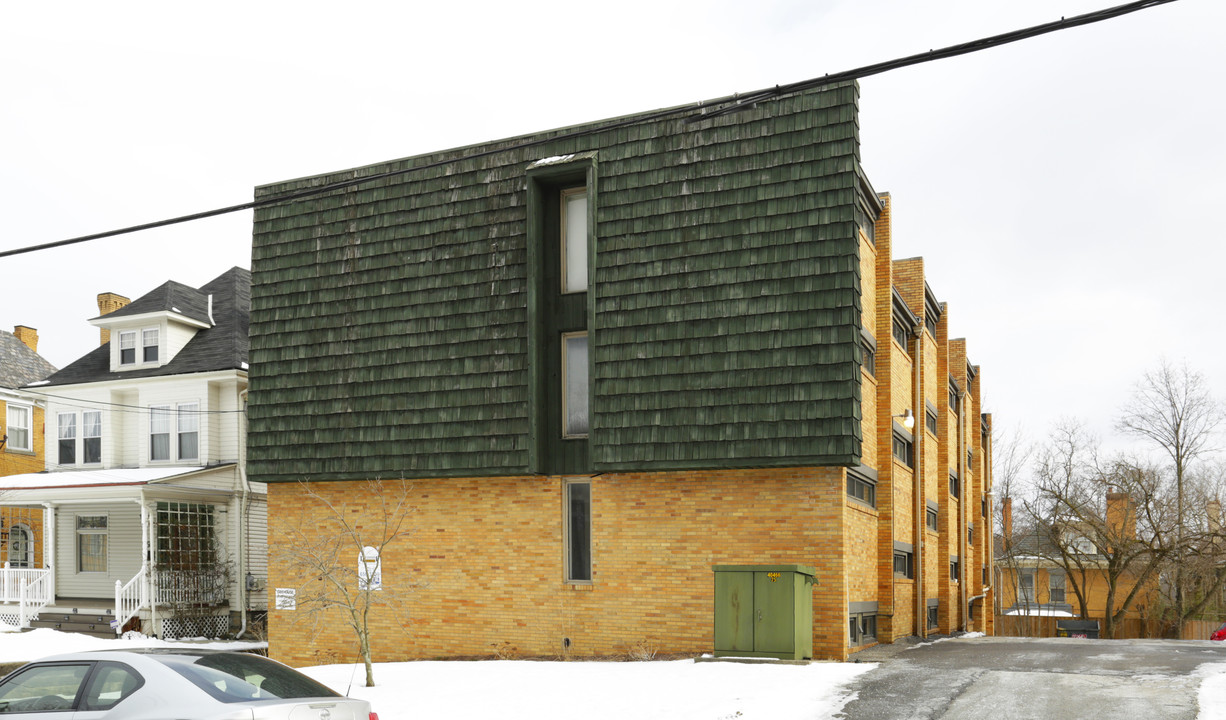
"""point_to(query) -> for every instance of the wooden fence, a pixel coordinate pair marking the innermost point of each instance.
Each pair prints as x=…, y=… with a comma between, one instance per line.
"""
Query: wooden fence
x=1129, y=628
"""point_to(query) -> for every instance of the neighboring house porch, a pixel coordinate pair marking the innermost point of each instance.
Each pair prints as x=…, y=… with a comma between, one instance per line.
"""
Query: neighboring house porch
x=155, y=549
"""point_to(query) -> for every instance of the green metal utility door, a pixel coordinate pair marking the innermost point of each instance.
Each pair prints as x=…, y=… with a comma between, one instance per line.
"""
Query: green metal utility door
x=774, y=630
x=764, y=611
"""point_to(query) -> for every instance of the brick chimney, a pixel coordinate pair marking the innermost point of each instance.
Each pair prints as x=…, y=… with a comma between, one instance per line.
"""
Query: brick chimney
x=108, y=303
x=27, y=335
x=1121, y=514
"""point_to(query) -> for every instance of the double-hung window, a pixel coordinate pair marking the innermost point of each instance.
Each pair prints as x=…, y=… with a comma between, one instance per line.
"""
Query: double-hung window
x=18, y=425
x=149, y=345
x=127, y=347
x=904, y=450
x=67, y=438
x=91, y=436
x=1055, y=588
x=159, y=432
x=189, y=431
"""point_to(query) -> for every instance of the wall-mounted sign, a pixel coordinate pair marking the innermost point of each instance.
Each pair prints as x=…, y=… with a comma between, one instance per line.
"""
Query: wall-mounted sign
x=287, y=599
x=370, y=571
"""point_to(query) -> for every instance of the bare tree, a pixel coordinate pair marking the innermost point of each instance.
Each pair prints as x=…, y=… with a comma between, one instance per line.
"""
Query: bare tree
x=1110, y=524
x=1172, y=408
x=336, y=562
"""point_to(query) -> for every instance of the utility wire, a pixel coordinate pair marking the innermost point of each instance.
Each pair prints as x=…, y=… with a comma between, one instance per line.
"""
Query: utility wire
x=77, y=403
x=698, y=111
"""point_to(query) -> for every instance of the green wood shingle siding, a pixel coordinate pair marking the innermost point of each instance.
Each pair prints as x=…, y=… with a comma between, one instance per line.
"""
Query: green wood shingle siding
x=390, y=323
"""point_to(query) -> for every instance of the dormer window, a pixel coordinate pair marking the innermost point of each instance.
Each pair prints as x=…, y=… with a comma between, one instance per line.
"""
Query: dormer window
x=149, y=341
x=127, y=348
x=146, y=353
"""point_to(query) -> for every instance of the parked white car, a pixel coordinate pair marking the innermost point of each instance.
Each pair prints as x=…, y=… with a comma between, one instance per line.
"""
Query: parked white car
x=156, y=684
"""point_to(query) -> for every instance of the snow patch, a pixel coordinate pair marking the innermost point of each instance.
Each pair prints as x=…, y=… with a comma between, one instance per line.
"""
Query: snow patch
x=1211, y=697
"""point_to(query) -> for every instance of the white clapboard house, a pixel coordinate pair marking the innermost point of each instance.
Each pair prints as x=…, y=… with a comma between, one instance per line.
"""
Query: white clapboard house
x=143, y=517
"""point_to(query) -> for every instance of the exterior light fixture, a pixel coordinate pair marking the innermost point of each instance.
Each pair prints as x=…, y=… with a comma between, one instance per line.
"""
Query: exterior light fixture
x=908, y=420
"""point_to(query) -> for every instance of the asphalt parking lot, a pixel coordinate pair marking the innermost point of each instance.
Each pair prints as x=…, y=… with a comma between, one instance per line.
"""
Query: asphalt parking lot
x=1049, y=678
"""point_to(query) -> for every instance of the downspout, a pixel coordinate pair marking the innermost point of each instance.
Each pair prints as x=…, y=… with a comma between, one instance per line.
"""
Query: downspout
x=917, y=482
x=964, y=495
x=49, y=559
x=244, y=504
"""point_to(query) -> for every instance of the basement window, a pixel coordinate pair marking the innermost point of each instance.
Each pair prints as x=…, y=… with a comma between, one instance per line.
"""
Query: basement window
x=862, y=629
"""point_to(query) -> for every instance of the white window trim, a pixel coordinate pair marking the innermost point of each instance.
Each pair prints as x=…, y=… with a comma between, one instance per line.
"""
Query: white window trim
x=76, y=438
x=81, y=437
x=172, y=411
x=178, y=430
x=170, y=433
x=29, y=427
x=138, y=347
x=78, y=532
x=29, y=556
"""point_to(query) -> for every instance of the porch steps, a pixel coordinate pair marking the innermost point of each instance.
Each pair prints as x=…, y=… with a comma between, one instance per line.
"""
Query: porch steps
x=84, y=621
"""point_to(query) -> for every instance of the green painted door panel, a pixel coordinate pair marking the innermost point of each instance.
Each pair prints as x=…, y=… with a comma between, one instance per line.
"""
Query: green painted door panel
x=734, y=605
x=774, y=616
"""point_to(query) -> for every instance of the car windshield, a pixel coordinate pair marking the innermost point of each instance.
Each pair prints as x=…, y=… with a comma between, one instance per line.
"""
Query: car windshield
x=240, y=677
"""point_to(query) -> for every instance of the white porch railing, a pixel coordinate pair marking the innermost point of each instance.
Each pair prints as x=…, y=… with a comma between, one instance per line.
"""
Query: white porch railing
x=129, y=599
x=29, y=588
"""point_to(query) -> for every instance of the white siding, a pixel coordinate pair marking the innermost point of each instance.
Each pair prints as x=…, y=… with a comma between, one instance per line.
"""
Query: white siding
x=176, y=336
x=123, y=550
x=257, y=549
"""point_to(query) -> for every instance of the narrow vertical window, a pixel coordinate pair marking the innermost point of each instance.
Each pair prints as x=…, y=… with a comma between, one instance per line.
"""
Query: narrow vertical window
x=19, y=428
x=578, y=500
x=127, y=348
x=189, y=431
x=574, y=385
x=91, y=543
x=574, y=240
x=68, y=438
x=91, y=436
x=149, y=342
x=159, y=432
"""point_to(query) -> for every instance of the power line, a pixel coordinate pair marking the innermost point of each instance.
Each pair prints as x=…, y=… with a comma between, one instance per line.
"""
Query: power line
x=700, y=111
x=76, y=403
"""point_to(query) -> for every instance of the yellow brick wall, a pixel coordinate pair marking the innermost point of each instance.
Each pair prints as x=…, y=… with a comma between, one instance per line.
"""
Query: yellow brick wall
x=489, y=551
x=16, y=462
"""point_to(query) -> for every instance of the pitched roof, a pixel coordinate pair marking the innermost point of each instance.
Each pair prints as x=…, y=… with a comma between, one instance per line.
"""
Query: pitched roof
x=19, y=365
x=221, y=347
x=168, y=297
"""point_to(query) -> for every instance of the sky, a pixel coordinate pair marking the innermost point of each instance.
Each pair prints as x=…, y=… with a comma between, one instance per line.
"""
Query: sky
x=1061, y=189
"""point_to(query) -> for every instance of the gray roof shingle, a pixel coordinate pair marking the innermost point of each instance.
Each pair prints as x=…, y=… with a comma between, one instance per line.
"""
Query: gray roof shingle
x=19, y=365
x=221, y=347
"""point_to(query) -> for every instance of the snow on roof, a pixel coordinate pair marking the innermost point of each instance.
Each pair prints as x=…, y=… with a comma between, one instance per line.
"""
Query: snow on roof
x=86, y=478
x=1041, y=611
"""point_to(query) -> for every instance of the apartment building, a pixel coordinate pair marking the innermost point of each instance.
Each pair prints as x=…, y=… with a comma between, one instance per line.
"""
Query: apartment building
x=605, y=361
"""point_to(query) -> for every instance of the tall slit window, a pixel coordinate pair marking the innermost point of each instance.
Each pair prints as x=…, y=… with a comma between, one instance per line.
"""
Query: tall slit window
x=91, y=543
x=578, y=501
x=574, y=385
x=159, y=432
x=68, y=439
x=574, y=240
x=91, y=436
x=19, y=546
x=189, y=431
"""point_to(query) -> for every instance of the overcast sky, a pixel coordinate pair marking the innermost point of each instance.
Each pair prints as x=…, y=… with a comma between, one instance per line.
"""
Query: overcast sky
x=1062, y=190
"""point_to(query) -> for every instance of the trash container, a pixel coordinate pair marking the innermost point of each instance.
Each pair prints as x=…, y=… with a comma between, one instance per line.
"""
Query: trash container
x=1077, y=629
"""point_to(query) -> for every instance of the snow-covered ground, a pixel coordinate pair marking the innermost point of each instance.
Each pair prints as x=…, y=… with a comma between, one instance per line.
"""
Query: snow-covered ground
x=674, y=689
x=667, y=690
